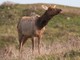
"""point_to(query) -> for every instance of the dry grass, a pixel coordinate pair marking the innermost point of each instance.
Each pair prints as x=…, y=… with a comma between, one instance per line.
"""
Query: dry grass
x=59, y=49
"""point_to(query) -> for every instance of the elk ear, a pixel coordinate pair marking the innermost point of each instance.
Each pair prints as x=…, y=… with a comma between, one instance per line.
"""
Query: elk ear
x=54, y=6
x=44, y=7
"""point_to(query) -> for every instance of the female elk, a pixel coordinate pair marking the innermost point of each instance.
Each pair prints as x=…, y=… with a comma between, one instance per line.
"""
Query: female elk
x=31, y=27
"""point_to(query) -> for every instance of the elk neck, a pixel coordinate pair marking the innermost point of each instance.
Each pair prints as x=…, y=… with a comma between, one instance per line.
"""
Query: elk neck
x=43, y=20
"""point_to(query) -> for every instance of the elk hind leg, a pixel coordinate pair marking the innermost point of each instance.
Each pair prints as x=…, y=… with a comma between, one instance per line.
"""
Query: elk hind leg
x=39, y=45
x=33, y=44
x=21, y=42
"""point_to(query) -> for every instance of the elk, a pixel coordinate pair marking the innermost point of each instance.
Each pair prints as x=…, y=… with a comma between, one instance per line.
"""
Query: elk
x=34, y=26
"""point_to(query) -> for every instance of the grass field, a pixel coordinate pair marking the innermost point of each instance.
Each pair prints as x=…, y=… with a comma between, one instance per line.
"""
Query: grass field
x=61, y=40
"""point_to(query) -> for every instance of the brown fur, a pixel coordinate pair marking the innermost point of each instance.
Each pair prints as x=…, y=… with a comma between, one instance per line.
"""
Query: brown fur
x=30, y=27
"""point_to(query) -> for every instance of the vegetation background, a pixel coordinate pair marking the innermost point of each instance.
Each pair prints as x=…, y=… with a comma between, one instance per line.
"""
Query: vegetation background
x=61, y=40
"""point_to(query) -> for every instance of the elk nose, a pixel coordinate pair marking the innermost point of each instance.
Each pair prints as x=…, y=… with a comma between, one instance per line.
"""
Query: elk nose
x=60, y=10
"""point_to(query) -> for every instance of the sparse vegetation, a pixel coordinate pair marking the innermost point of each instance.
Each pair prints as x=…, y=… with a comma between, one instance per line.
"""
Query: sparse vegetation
x=61, y=39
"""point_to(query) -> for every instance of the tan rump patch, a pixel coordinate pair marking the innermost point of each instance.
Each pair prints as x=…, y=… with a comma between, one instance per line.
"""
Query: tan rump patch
x=26, y=17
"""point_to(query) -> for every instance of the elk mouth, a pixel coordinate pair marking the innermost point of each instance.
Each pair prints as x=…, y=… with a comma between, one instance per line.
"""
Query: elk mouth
x=59, y=11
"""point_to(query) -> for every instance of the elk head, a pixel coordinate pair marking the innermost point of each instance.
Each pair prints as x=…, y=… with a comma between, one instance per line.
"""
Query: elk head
x=51, y=10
